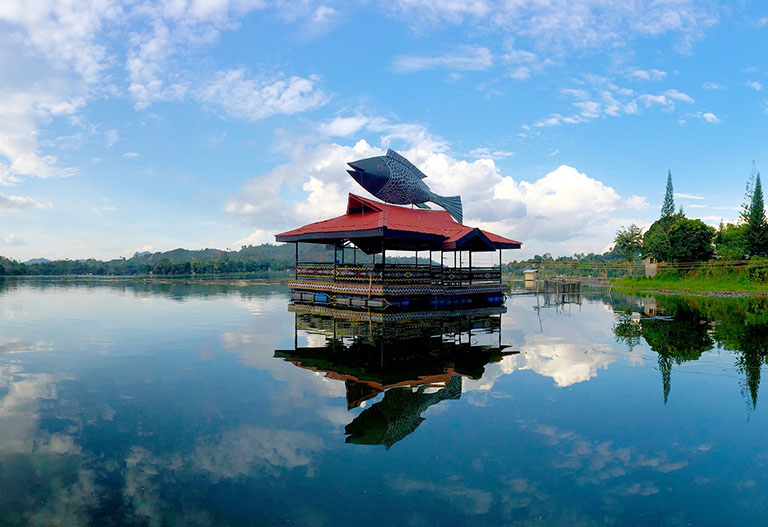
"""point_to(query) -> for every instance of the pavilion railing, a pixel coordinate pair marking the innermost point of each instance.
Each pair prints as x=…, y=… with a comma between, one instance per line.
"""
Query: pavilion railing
x=397, y=274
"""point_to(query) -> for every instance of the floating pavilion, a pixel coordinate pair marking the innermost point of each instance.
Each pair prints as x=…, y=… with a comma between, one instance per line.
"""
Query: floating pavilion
x=371, y=228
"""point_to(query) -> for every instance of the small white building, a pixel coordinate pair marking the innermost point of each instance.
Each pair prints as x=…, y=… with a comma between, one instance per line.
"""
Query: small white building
x=651, y=266
x=530, y=276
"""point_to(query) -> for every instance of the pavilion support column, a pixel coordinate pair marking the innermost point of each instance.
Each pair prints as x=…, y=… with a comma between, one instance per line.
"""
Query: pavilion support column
x=470, y=267
x=417, y=257
x=296, y=276
x=383, y=259
x=442, y=269
x=383, y=254
x=335, y=250
x=500, y=280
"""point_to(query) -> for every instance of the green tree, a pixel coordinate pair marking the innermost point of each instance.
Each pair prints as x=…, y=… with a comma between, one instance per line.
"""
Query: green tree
x=668, y=208
x=755, y=238
x=729, y=241
x=629, y=242
x=679, y=239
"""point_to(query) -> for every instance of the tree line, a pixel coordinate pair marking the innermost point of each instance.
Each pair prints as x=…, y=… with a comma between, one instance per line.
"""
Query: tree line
x=676, y=238
x=249, y=259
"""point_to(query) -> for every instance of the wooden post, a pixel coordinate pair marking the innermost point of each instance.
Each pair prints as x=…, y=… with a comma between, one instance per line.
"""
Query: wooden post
x=500, y=280
x=297, y=260
x=335, y=248
x=470, y=267
x=442, y=273
x=383, y=259
x=417, y=257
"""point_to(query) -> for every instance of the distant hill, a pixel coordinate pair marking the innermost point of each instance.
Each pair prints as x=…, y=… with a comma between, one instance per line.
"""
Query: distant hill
x=36, y=261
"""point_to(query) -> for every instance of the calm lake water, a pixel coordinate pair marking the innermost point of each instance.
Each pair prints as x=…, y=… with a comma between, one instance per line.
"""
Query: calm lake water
x=128, y=403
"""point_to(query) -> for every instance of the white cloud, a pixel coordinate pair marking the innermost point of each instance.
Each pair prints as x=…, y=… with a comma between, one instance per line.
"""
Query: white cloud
x=688, y=196
x=103, y=209
x=173, y=28
x=707, y=117
x=755, y=85
x=651, y=74
x=485, y=152
x=130, y=155
x=709, y=85
x=257, y=237
x=563, y=210
x=435, y=12
x=251, y=99
x=678, y=96
x=54, y=59
x=464, y=58
x=343, y=126
x=666, y=100
x=13, y=239
x=324, y=15
x=14, y=203
x=600, y=98
x=111, y=137
x=562, y=206
x=565, y=25
x=50, y=59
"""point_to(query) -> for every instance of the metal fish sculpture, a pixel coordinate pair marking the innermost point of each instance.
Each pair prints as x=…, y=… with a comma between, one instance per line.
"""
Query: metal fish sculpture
x=394, y=179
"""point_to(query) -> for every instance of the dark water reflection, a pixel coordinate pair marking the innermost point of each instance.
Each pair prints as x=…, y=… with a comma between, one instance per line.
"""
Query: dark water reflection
x=414, y=362
x=136, y=403
x=681, y=329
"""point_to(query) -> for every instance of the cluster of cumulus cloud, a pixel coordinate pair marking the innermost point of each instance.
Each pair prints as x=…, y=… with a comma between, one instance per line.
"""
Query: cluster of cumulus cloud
x=563, y=207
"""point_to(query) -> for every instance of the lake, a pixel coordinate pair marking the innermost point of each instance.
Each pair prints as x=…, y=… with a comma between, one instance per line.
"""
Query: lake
x=135, y=403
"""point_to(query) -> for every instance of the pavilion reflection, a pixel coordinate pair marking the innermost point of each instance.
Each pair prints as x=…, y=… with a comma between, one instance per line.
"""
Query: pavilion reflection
x=416, y=360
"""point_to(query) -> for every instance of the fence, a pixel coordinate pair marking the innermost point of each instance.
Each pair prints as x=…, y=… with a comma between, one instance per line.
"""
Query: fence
x=397, y=274
x=607, y=270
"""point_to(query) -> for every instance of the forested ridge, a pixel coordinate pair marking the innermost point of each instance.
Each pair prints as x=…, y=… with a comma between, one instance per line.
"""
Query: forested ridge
x=249, y=259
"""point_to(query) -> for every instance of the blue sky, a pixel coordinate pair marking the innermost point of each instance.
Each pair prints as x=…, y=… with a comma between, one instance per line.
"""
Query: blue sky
x=133, y=125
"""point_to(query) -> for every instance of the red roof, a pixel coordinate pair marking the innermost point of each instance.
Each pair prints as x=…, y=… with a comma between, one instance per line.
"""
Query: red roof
x=401, y=227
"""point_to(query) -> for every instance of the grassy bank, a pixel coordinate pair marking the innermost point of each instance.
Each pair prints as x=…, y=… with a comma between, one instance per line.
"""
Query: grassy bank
x=706, y=280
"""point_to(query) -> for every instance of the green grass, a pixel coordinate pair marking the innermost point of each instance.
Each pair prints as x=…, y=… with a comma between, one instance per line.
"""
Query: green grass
x=722, y=282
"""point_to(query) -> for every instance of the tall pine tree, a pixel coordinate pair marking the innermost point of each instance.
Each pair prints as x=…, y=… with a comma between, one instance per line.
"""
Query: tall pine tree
x=668, y=208
x=756, y=228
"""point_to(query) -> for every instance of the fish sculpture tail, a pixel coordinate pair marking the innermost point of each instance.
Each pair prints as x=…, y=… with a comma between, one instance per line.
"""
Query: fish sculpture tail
x=450, y=203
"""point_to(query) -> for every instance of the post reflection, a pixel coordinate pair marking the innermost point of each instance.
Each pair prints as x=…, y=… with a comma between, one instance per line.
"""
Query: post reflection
x=415, y=360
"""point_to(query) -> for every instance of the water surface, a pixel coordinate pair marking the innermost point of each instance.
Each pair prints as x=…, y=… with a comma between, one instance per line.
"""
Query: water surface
x=133, y=403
